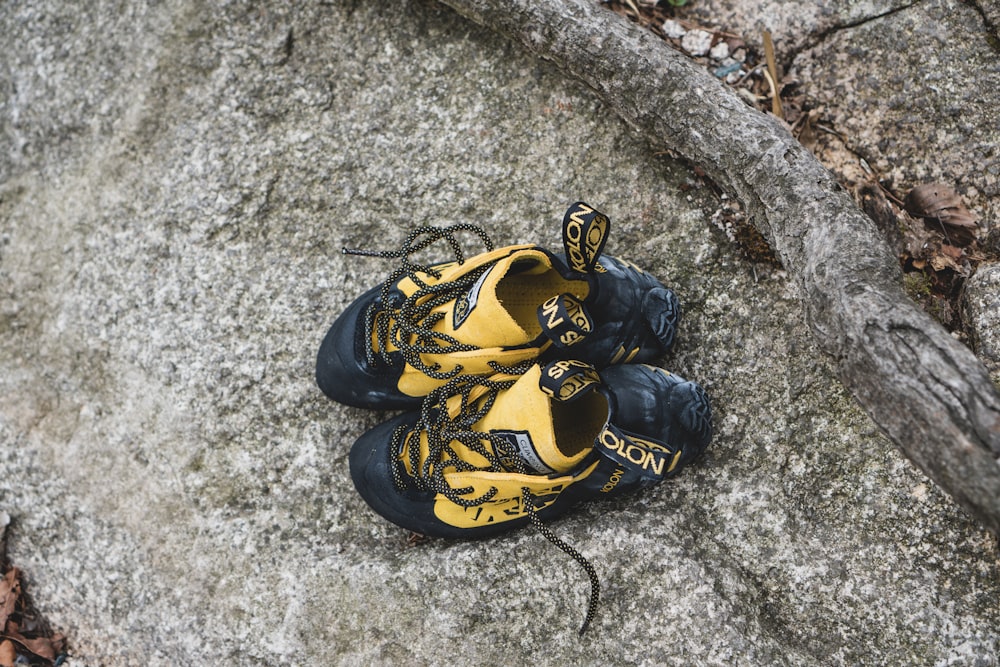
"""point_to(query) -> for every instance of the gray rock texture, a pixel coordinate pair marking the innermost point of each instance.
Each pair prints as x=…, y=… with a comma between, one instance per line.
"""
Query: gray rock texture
x=177, y=182
x=982, y=305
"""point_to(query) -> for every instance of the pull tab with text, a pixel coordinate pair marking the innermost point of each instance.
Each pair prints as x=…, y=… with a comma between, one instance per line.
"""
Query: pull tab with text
x=566, y=380
x=584, y=233
x=565, y=320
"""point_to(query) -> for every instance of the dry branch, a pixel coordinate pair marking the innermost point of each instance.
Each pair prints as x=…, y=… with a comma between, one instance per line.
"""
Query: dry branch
x=924, y=389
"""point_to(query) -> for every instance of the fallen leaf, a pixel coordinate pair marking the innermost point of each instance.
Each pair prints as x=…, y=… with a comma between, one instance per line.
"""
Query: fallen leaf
x=22, y=637
x=44, y=647
x=10, y=591
x=939, y=202
x=941, y=261
x=413, y=539
x=952, y=252
x=7, y=653
x=807, y=128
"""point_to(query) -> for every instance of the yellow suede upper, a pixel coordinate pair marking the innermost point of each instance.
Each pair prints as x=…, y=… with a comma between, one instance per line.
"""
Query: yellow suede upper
x=559, y=451
x=503, y=315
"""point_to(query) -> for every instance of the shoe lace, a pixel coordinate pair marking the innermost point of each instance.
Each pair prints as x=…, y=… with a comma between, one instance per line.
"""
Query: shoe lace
x=444, y=427
x=408, y=324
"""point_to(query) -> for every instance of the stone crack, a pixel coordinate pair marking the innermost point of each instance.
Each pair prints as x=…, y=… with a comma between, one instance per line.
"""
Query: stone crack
x=820, y=36
x=991, y=19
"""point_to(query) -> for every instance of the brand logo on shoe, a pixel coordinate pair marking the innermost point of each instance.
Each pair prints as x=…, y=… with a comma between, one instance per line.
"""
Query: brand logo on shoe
x=550, y=309
x=517, y=450
x=584, y=233
x=502, y=507
x=465, y=304
x=565, y=320
x=652, y=457
x=567, y=378
x=612, y=482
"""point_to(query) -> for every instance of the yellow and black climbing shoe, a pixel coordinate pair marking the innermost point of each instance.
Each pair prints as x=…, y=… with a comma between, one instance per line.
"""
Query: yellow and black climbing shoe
x=487, y=455
x=427, y=324
x=561, y=433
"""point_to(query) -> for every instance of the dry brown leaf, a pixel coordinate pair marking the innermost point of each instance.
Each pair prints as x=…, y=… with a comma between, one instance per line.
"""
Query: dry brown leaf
x=44, y=647
x=940, y=262
x=10, y=591
x=952, y=252
x=7, y=653
x=939, y=202
x=807, y=130
x=11, y=636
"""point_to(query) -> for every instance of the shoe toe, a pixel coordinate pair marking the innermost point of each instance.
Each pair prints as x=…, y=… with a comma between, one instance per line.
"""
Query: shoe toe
x=370, y=459
x=665, y=406
x=371, y=463
x=342, y=368
x=333, y=371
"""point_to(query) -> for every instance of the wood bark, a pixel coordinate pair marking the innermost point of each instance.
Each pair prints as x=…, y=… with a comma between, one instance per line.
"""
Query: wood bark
x=927, y=391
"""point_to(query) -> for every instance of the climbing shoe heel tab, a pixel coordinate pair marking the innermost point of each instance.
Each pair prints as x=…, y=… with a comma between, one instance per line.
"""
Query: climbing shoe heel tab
x=585, y=231
x=566, y=380
x=650, y=459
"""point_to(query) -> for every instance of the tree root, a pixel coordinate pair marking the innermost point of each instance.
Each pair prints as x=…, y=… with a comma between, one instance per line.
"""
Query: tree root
x=926, y=390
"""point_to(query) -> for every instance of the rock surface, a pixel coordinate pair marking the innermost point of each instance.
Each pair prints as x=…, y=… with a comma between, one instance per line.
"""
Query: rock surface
x=982, y=306
x=177, y=183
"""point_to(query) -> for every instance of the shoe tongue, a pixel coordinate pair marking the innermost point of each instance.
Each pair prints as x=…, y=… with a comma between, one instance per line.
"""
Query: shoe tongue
x=534, y=437
x=479, y=317
x=565, y=320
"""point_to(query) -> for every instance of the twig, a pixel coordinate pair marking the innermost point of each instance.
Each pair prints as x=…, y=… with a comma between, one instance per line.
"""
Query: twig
x=772, y=75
